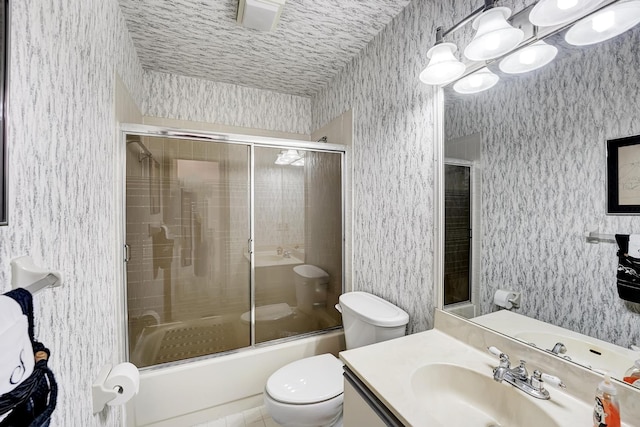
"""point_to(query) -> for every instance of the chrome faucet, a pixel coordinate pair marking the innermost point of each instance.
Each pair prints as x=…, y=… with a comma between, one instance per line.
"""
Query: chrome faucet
x=559, y=348
x=519, y=376
x=286, y=254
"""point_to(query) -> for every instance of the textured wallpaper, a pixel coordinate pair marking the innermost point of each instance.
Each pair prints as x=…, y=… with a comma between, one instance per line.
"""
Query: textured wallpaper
x=544, y=185
x=188, y=98
x=61, y=145
x=202, y=39
x=392, y=160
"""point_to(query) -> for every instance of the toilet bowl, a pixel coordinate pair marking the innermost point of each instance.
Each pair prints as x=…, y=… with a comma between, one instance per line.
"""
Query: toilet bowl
x=306, y=393
x=309, y=392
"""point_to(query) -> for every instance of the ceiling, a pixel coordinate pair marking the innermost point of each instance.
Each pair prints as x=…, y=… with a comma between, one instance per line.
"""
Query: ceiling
x=314, y=40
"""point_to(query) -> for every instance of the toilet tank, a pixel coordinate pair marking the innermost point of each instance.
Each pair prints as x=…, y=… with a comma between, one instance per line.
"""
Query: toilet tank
x=369, y=319
x=311, y=284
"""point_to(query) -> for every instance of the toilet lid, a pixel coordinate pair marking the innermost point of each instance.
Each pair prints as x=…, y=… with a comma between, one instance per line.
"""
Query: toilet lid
x=269, y=312
x=310, y=380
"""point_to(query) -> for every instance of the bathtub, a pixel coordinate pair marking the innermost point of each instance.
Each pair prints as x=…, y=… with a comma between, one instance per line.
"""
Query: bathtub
x=203, y=390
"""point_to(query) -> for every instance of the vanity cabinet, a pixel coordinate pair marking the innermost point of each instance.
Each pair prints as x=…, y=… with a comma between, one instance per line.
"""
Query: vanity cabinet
x=362, y=407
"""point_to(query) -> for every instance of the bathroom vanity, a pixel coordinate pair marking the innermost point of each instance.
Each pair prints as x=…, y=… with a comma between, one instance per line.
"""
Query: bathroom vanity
x=445, y=377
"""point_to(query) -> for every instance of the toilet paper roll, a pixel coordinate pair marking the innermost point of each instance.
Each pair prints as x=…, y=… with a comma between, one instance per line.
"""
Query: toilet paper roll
x=126, y=379
x=503, y=298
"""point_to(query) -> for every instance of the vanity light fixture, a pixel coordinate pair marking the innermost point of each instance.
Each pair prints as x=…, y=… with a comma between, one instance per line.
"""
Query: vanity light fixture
x=443, y=66
x=593, y=21
x=529, y=58
x=479, y=81
x=547, y=13
x=494, y=35
x=605, y=24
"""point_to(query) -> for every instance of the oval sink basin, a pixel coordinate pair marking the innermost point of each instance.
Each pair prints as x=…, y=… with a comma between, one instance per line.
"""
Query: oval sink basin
x=459, y=397
x=584, y=352
x=269, y=259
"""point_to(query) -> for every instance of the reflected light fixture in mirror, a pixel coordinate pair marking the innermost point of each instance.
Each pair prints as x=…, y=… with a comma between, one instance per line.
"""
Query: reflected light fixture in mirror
x=443, y=66
x=479, y=81
x=605, y=24
x=557, y=12
x=494, y=36
x=529, y=58
x=289, y=157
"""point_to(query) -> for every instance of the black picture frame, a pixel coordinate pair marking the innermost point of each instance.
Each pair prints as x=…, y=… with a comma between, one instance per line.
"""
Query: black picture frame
x=623, y=176
x=4, y=89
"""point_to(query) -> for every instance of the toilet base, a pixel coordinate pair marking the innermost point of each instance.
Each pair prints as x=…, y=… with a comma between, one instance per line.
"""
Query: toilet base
x=322, y=414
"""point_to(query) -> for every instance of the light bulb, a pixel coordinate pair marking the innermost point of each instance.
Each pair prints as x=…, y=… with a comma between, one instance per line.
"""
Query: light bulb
x=527, y=56
x=443, y=66
x=492, y=42
x=547, y=13
x=603, y=21
x=482, y=79
x=494, y=36
x=610, y=22
x=475, y=81
x=566, y=4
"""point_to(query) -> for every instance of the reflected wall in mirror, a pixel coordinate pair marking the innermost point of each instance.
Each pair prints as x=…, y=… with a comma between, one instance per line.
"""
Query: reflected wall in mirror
x=542, y=164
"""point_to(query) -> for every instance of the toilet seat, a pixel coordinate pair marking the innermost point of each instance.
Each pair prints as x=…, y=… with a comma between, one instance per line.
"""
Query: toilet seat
x=268, y=313
x=307, y=381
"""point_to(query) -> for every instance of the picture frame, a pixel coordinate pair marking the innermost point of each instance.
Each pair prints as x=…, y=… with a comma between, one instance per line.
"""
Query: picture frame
x=623, y=176
x=4, y=89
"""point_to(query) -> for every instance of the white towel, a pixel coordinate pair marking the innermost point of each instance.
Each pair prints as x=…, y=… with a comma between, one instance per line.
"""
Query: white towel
x=634, y=245
x=16, y=353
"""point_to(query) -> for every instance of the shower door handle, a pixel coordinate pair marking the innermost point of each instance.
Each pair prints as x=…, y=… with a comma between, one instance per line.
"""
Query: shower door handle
x=127, y=253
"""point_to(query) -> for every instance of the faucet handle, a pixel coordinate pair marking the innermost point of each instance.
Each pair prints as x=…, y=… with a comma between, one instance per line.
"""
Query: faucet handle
x=553, y=380
x=495, y=351
x=538, y=379
x=504, y=358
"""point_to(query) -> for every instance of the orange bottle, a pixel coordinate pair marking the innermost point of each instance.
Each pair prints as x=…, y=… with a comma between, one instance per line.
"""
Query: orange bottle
x=606, y=412
x=632, y=376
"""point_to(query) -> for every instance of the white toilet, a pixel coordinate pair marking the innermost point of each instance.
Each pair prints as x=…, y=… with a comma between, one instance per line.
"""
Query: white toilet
x=309, y=392
x=311, y=287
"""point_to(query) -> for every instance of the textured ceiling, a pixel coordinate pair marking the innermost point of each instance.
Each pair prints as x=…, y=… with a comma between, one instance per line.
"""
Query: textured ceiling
x=200, y=38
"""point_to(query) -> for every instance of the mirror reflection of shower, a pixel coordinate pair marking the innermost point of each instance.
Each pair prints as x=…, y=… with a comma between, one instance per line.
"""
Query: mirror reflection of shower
x=189, y=287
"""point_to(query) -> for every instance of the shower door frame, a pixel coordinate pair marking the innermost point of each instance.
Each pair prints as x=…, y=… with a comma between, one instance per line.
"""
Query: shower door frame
x=251, y=142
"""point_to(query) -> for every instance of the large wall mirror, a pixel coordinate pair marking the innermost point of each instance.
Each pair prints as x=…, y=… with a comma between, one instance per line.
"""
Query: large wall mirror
x=534, y=147
x=4, y=56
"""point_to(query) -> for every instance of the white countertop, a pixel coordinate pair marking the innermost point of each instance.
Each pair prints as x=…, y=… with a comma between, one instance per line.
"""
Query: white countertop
x=387, y=368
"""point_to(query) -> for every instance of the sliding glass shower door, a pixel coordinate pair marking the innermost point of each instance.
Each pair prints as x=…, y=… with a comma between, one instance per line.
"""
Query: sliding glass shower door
x=187, y=222
x=298, y=241
x=230, y=245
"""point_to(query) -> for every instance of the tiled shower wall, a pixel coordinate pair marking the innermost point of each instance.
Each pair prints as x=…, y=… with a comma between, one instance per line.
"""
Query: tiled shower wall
x=279, y=207
x=544, y=185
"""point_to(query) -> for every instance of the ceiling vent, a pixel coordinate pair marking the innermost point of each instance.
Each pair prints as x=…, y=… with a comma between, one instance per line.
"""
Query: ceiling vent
x=260, y=15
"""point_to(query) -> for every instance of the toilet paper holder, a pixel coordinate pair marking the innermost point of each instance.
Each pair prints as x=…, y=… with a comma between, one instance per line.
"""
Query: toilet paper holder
x=103, y=394
x=507, y=299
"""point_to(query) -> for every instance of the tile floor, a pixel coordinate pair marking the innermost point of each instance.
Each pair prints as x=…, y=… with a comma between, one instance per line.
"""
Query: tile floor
x=256, y=417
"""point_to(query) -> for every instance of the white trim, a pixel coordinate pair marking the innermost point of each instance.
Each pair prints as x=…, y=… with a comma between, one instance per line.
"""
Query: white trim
x=438, y=204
